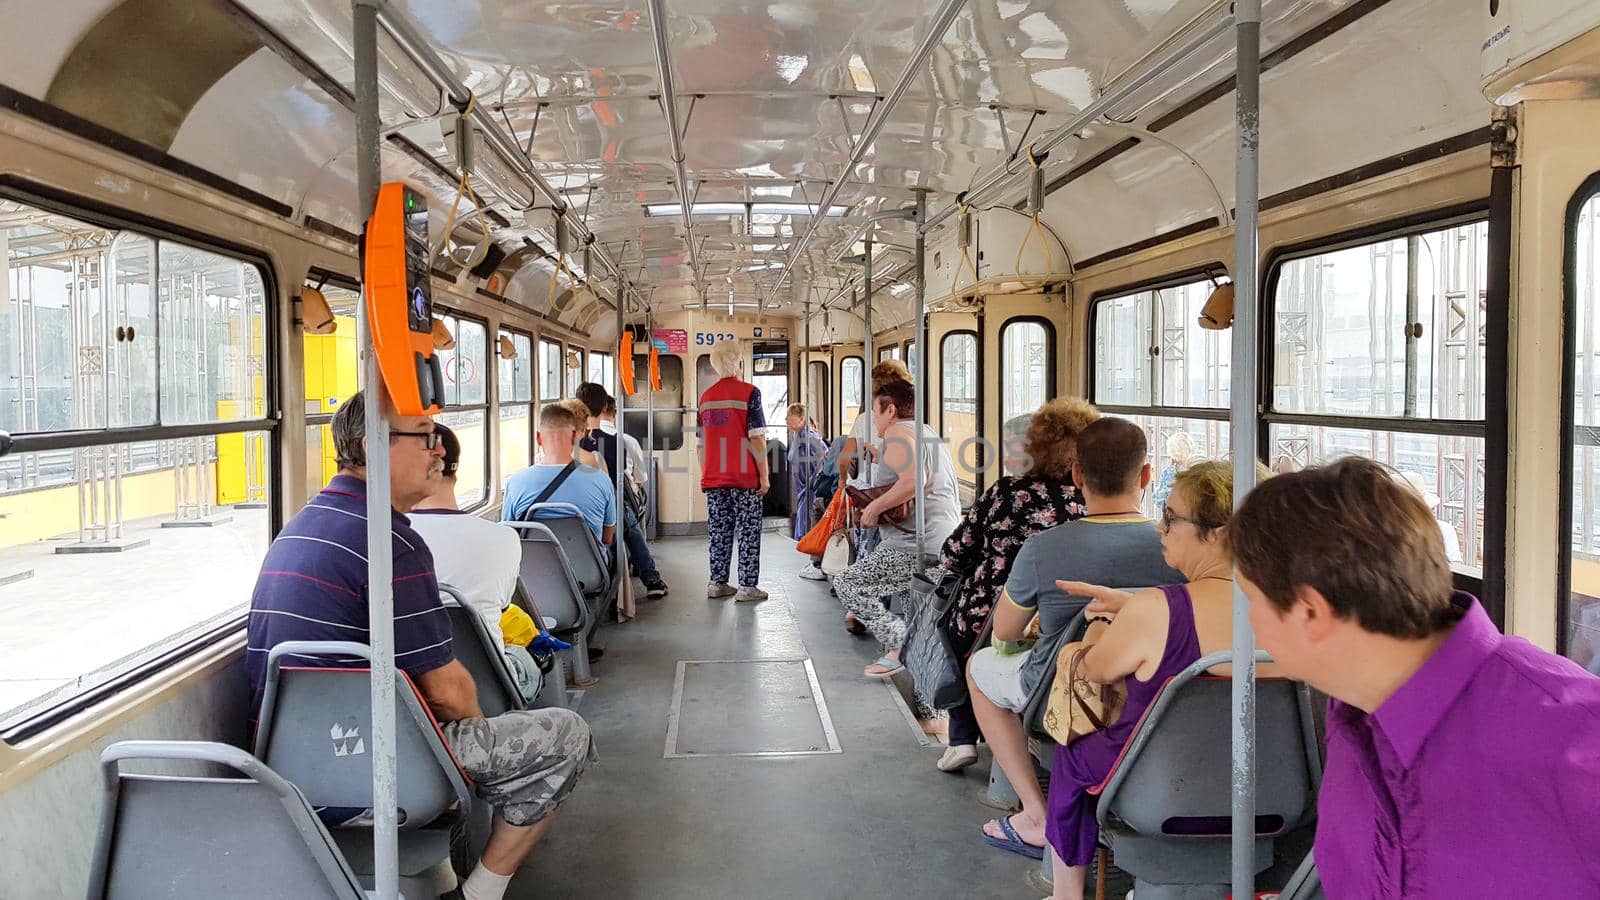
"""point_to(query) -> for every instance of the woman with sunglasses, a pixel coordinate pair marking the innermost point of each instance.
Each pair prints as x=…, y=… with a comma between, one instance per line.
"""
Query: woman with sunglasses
x=1144, y=638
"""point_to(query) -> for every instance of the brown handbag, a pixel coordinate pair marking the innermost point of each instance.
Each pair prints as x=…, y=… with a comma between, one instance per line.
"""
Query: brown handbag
x=1078, y=706
x=860, y=497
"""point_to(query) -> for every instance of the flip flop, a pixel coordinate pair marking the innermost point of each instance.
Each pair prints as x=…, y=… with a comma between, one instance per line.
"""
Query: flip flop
x=1013, y=842
x=892, y=665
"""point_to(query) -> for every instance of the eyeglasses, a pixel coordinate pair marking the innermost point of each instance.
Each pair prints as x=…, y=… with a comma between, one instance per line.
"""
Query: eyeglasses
x=1168, y=517
x=430, y=439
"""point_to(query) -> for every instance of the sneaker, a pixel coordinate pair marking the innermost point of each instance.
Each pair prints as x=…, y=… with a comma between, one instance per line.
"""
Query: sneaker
x=957, y=758
x=750, y=595
x=813, y=573
x=719, y=589
x=655, y=589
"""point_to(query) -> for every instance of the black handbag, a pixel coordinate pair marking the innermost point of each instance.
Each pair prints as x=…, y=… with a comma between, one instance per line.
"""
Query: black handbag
x=935, y=668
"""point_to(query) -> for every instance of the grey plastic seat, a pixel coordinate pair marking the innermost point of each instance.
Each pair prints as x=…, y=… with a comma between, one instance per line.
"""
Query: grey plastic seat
x=547, y=577
x=590, y=566
x=479, y=652
x=193, y=837
x=1304, y=884
x=1165, y=809
x=315, y=730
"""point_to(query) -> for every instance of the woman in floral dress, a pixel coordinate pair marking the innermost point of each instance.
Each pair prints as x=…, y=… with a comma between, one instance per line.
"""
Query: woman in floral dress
x=1041, y=449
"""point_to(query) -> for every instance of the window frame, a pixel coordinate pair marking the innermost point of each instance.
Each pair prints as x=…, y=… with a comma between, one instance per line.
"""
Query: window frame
x=491, y=391
x=866, y=388
x=1494, y=465
x=1052, y=372
x=977, y=408
x=561, y=368
x=1156, y=409
x=609, y=383
x=103, y=215
x=500, y=406
x=1587, y=191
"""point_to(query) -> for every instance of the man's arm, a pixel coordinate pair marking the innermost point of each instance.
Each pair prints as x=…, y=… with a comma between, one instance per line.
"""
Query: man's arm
x=450, y=692
x=1010, y=619
x=608, y=535
x=1019, y=600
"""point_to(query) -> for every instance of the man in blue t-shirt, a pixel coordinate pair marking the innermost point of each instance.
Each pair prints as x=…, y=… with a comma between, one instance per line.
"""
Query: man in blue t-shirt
x=313, y=587
x=585, y=487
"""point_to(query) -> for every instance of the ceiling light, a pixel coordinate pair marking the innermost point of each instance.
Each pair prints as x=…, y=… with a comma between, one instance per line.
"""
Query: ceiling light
x=668, y=210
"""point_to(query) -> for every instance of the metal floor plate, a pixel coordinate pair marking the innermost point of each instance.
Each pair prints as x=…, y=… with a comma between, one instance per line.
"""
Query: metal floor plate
x=748, y=707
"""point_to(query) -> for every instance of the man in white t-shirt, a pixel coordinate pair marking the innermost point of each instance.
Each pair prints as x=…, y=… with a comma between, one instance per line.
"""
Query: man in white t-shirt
x=475, y=556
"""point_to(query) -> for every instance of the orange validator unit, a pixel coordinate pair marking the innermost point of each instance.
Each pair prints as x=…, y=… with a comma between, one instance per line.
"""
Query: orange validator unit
x=400, y=301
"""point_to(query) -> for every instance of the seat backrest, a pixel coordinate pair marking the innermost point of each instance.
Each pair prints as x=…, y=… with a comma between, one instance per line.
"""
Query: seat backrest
x=199, y=838
x=1174, y=777
x=316, y=731
x=564, y=520
x=479, y=652
x=1305, y=883
x=546, y=575
x=1039, y=700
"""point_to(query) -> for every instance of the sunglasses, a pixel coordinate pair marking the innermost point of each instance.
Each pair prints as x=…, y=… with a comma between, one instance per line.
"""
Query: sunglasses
x=430, y=439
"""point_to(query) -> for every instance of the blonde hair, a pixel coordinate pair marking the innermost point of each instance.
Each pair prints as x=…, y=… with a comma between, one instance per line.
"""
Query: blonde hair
x=725, y=358
x=1208, y=486
x=797, y=409
x=1180, y=448
x=889, y=370
x=579, y=410
x=1053, y=436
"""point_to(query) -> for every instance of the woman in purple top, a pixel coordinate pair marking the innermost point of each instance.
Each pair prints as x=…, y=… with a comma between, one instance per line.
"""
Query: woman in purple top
x=1144, y=639
x=1461, y=762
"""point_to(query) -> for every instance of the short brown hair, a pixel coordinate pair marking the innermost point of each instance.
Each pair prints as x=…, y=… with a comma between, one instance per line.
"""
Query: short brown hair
x=899, y=393
x=558, y=415
x=797, y=409
x=1053, y=436
x=1348, y=530
x=580, y=412
x=889, y=370
x=1111, y=451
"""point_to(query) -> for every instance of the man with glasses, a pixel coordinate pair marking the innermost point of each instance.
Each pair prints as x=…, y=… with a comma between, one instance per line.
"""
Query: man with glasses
x=313, y=587
x=1114, y=543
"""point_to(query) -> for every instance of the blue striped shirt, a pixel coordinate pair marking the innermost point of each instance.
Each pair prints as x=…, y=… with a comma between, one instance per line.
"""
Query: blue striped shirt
x=313, y=587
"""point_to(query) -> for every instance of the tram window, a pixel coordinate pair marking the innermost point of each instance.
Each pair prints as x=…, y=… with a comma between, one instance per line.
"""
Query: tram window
x=1027, y=366
x=1389, y=330
x=817, y=395
x=550, y=387
x=1189, y=366
x=1346, y=328
x=212, y=337
x=576, y=368
x=602, y=369
x=911, y=358
x=514, y=434
x=1580, y=623
x=331, y=363
x=890, y=352
x=850, y=390
x=704, y=376
x=667, y=402
x=958, y=406
x=465, y=405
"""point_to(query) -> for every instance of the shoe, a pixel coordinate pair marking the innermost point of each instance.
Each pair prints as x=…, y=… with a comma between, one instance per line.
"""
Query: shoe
x=813, y=573
x=655, y=589
x=750, y=595
x=957, y=758
x=719, y=589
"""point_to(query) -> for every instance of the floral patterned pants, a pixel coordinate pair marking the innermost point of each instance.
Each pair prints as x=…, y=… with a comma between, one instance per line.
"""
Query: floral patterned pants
x=731, y=512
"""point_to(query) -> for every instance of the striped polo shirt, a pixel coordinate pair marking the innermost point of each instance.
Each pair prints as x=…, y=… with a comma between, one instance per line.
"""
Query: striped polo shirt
x=313, y=587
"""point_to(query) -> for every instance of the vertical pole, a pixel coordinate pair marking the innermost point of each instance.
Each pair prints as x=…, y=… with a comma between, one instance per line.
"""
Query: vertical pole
x=621, y=462
x=649, y=414
x=921, y=374
x=868, y=358
x=1247, y=194
x=1413, y=284
x=380, y=561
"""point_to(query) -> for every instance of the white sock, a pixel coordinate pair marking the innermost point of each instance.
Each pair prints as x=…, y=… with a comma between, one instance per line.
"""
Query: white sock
x=483, y=884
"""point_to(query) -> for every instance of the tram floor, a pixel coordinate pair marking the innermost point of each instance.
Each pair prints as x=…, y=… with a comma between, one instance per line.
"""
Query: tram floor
x=664, y=816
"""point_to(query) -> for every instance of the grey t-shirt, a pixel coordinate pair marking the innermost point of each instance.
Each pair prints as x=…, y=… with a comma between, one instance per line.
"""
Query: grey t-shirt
x=1122, y=552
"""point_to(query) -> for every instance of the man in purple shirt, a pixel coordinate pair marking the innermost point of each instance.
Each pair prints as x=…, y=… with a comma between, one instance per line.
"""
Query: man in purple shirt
x=313, y=587
x=1461, y=763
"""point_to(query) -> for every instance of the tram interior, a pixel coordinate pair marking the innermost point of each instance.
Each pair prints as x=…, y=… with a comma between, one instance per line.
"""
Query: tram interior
x=1020, y=201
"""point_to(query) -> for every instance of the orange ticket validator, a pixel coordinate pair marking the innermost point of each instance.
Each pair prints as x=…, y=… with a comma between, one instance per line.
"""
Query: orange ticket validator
x=400, y=301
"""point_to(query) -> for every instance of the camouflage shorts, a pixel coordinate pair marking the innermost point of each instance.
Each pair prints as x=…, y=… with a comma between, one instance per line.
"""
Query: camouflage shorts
x=523, y=762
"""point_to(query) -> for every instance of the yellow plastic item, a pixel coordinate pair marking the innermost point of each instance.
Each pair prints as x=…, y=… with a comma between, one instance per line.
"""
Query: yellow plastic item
x=517, y=626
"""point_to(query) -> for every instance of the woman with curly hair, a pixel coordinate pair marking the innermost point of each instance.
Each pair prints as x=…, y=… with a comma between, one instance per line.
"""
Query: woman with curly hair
x=1039, y=452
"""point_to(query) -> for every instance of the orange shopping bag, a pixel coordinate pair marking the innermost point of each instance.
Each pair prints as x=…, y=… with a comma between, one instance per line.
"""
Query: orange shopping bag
x=833, y=518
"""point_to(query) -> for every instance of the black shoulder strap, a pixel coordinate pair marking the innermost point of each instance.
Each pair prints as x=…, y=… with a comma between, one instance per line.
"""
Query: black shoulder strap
x=551, y=488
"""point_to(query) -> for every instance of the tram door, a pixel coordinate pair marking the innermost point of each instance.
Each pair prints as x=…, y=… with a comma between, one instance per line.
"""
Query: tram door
x=769, y=372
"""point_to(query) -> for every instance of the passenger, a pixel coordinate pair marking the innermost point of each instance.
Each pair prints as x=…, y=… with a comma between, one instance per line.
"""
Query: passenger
x=733, y=474
x=1151, y=636
x=1447, y=531
x=584, y=422
x=806, y=450
x=313, y=587
x=1460, y=762
x=475, y=556
x=1181, y=452
x=562, y=479
x=1111, y=544
x=873, y=581
x=603, y=445
x=861, y=444
x=1038, y=494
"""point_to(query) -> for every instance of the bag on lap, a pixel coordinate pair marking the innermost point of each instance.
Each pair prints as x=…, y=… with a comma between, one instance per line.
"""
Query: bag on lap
x=1078, y=706
x=815, y=541
x=933, y=664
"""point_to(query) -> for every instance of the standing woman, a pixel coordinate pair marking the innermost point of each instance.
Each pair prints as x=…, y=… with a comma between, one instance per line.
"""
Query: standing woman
x=733, y=474
x=867, y=586
x=1038, y=494
x=1181, y=452
x=806, y=450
